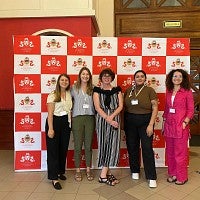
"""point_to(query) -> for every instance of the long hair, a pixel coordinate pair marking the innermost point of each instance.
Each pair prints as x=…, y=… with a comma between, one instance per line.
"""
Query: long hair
x=185, y=80
x=57, y=91
x=89, y=83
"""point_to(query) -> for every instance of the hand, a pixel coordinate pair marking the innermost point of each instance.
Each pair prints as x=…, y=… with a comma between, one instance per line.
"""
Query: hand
x=184, y=125
x=51, y=133
x=115, y=124
x=149, y=130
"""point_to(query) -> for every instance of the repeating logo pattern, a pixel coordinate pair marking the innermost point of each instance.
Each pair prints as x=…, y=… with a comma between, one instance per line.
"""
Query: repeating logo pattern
x=38, y=61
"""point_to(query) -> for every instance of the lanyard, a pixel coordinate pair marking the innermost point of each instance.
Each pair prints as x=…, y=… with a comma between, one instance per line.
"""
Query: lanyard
x=134, y=88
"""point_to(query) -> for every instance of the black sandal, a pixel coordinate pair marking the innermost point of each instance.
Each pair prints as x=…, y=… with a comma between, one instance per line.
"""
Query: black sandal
x=112, y=178
x=106, y=181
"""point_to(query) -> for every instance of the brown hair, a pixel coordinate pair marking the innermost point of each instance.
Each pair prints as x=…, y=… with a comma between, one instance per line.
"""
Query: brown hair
x=57, y=91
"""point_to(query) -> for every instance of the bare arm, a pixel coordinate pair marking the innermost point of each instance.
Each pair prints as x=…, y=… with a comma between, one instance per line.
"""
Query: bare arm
x=50, y=109
x=108, y=118
x=153, y=117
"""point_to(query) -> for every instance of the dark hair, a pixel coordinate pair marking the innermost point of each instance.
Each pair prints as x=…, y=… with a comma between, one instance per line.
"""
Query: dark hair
x=89, y=83
x=142, y=71
x=185, y=81
x=107, y=71
x=57, y=91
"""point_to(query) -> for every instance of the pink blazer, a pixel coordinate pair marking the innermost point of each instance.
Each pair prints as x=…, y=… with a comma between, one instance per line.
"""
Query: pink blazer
x=184, y=107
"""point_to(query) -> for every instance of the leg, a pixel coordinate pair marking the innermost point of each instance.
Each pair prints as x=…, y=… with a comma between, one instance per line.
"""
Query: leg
x=148, y=156
x=52, y=155
x=181, y=157
x=133, y=143
x=170, y=148
x=77, y=130
x=88, y=138
x=63, y=143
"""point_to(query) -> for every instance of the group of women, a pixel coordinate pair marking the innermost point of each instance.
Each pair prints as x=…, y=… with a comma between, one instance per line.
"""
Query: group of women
x=100, y=108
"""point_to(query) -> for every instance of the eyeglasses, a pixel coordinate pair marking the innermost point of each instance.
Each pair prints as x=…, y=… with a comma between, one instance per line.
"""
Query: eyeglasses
x=106, y=75
x=175, y=76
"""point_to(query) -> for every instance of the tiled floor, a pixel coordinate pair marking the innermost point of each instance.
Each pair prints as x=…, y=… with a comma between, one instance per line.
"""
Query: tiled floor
x=35, y=186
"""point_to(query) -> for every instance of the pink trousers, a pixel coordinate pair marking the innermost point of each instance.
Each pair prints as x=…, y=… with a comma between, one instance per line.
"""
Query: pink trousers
x=177, y=157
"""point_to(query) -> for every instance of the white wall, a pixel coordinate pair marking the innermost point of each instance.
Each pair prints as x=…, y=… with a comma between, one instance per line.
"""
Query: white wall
x=102, y=9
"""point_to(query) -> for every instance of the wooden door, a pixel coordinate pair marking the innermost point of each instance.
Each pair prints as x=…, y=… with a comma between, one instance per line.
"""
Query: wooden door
x=195, y=80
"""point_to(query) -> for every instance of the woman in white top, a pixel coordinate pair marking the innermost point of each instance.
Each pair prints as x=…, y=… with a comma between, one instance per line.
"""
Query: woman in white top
x=59, y=104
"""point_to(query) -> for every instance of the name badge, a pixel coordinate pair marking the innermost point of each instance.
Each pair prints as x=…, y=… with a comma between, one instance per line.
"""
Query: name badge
x=134, y=102
x=85, y=105
x=63, y=113
x=172, y=110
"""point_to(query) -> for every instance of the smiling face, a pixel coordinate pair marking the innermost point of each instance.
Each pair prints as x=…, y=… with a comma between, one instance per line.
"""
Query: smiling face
x=140, y=78
x=177, y=78
x=64, y=82
x=84, y=76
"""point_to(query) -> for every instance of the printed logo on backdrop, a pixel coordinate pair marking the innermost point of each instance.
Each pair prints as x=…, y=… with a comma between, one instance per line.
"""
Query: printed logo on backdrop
x=104, y=46
x=100, y=63
x=48, y=82
x=27, y=121
x=124, y=158
x=128, y=65
x=27, y=102
x=53, y=64
x=27, y=140
x=27, y=64
x=26, y=160
x=75, y=63
x=158, y=121
x=158, y=139
x=129, y=46
x=174, y=62
x=124, y=81
x=26, y=44
x=27, y=83
x=157, y=82
x=159, y=154
x=53, y=45
x=154, y=65
x=70, y=159
x=154, y=46
x=79, y=46
x=178, y=46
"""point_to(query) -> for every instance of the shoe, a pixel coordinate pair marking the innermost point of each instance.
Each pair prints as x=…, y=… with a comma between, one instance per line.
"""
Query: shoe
x=62, y=177
x=171, y=179
x=181, y=182
x=152, y=184
x=89, y=176
x=107, y=181
x=78, y=176
x=135, y=176
x=56, y=185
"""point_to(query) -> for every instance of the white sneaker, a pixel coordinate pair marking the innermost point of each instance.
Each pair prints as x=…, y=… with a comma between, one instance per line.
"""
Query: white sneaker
x=135, y=176
x=152, y=184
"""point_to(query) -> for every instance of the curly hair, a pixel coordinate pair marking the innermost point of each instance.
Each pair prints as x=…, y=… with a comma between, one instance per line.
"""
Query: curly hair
x=107, y=71
x=89, y=83
x=57, y=91
x=185, y=81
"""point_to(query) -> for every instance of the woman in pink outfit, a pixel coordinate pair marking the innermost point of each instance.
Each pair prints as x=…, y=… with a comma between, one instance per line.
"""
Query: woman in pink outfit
x=179, y=110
